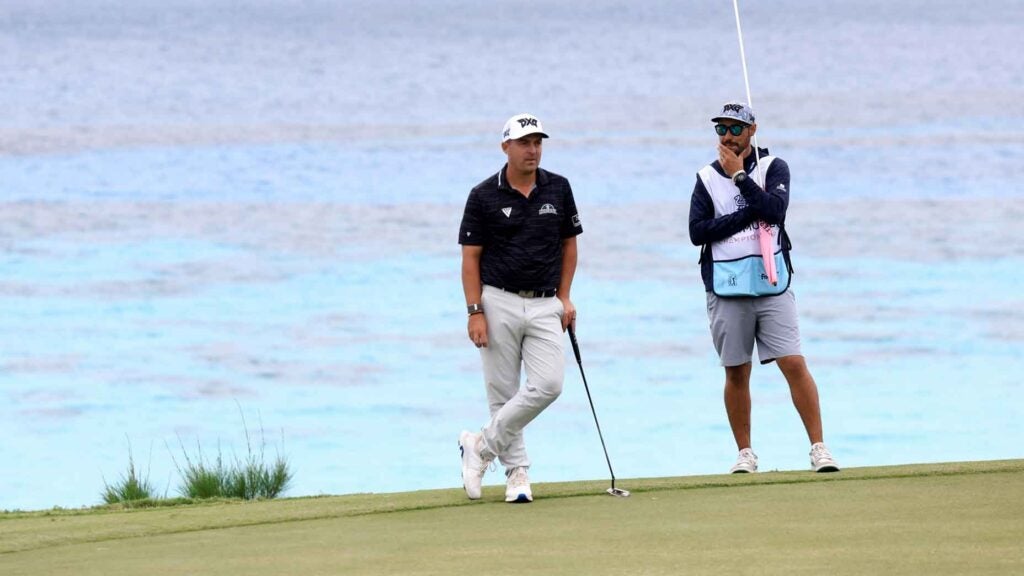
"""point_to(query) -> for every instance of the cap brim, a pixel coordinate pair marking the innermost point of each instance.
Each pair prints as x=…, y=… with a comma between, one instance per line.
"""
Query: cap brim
x=744, y=122
x=538, y=133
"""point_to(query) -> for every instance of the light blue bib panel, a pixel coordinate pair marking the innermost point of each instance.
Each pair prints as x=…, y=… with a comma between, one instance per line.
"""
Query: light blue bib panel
x=737, y=266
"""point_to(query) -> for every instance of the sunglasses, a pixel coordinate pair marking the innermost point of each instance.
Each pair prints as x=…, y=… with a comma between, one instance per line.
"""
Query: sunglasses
x=735, y=129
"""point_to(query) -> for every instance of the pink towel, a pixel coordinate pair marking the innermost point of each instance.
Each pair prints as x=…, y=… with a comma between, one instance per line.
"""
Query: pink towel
x=764, y=233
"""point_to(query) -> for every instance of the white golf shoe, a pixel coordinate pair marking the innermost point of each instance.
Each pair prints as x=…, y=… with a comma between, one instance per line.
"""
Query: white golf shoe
x=822, y=460
x=746, y=462
x=473, y=463
x=517, y=487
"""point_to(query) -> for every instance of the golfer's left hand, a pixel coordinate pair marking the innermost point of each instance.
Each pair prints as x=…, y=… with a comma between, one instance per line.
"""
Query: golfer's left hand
x=569, y=316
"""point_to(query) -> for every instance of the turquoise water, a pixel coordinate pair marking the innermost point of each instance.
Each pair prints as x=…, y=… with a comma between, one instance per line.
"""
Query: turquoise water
x=273, y=235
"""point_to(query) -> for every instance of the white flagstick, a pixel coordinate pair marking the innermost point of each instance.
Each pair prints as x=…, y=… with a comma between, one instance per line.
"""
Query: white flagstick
x=746, y=82
x=764, y=231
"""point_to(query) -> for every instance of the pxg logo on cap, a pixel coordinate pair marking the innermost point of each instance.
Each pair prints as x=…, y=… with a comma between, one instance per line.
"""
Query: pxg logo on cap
x=522, y=125
x=737, y=111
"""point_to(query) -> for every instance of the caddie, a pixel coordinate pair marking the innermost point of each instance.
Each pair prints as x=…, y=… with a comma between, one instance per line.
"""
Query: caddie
x=727, y=207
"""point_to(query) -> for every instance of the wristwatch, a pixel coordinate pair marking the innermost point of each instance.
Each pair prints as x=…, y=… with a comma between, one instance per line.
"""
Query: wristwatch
x=474, y=309
x=739, y=177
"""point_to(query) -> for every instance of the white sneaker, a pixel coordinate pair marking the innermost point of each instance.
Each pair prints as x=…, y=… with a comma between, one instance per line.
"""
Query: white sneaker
x=517, y=488
x=822, y=460
x=473, y=464
x=746, y=462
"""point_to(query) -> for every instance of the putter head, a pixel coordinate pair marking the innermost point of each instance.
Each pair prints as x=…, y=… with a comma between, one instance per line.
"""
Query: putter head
x=618, y=492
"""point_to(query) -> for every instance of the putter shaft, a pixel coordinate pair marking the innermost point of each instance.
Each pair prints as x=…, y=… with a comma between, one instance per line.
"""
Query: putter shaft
x=579, y=360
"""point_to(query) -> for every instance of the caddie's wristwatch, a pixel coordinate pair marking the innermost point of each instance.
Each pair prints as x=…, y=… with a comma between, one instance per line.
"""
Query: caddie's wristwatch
x=474, y=309
x=739, y=177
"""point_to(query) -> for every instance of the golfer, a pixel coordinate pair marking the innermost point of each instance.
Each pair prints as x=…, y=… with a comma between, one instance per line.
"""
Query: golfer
x=518, y=238
x=726, y=210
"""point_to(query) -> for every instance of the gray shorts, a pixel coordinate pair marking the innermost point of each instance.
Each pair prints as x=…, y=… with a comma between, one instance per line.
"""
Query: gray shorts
x=737, y=322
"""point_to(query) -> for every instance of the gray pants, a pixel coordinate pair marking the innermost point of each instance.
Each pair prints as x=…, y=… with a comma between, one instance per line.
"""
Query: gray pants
x=521, y=333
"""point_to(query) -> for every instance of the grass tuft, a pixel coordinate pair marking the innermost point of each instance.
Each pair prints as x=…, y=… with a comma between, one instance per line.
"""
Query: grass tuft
x=201, y=479
x=250, y=479
x=131, y=488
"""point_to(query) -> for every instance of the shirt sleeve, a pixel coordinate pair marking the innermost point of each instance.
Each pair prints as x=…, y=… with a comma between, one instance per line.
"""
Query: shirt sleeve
x=705, y=228
x=571, y=225
x=472, y=231
x=769, y=204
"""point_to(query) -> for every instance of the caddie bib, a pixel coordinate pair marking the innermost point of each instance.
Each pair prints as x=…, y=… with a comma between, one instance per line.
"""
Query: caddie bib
x=737, y=265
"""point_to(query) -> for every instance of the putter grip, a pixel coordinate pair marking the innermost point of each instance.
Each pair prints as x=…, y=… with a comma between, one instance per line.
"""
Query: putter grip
x=575, y=345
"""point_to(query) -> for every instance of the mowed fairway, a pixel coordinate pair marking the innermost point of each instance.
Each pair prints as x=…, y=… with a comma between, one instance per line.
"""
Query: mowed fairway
x=963, y=518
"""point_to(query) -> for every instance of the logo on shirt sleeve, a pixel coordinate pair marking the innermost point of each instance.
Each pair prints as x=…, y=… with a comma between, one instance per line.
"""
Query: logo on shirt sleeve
x=576, y=220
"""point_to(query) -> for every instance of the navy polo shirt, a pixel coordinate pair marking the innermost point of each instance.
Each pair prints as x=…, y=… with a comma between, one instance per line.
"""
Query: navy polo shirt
x=522, y=237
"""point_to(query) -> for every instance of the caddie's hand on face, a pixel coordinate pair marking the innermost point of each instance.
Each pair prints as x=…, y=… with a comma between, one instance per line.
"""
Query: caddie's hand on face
x=731, y=163
x=478, y=330
x=569, y=316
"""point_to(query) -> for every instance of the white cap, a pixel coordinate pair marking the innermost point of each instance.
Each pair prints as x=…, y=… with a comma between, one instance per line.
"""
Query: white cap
x=522, y=125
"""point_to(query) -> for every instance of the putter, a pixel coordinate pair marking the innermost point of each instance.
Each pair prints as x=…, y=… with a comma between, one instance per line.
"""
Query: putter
x=576, y=350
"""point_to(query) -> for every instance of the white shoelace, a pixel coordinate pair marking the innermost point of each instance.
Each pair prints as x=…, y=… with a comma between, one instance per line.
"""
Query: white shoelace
x=747, y=457
x=485, y=464
x=820, y=453
x=518, y=477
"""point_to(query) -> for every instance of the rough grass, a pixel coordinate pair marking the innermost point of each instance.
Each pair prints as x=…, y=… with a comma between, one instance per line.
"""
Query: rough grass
x=935, y=518
x=131, y=487
x=251, y=478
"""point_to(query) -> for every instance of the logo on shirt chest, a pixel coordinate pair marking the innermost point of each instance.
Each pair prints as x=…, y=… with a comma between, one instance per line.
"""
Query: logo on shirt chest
x=507, y=212
x=547, y=209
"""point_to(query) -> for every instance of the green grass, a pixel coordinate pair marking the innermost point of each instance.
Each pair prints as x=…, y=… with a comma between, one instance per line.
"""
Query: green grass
x=201, y=479
x=965, y=518
x=250, y=479
x=130, y=487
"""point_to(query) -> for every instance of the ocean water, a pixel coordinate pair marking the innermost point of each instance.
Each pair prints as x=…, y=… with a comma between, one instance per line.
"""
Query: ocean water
x=216, y=216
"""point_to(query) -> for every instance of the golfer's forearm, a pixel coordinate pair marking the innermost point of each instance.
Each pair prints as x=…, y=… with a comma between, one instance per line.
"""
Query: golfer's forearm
x=471, y=283
x=569, y=256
